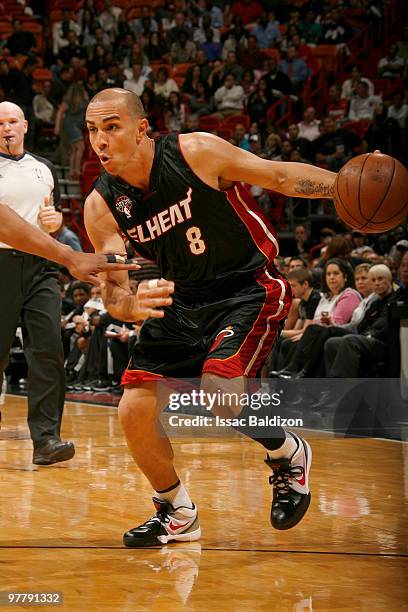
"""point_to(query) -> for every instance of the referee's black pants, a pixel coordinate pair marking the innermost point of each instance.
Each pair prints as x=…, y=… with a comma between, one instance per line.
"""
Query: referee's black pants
x=29, y=289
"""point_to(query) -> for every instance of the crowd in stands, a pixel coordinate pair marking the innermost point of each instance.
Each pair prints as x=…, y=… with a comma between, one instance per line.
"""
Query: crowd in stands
x=242, y=71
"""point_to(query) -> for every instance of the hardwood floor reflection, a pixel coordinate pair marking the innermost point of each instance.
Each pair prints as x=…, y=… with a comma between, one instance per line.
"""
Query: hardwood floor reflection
x=61, y=526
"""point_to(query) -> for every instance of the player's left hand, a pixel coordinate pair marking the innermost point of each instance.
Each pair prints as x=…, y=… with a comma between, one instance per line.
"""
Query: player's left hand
x=49, y=218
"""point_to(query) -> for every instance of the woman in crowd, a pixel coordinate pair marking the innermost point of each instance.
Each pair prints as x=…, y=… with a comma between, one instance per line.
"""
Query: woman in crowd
x=70, y=121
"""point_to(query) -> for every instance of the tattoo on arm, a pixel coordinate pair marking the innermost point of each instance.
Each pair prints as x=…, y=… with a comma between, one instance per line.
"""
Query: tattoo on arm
x=309, y=187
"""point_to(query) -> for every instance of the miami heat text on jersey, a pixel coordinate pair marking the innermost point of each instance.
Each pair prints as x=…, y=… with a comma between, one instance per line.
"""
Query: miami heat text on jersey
x=200, y=237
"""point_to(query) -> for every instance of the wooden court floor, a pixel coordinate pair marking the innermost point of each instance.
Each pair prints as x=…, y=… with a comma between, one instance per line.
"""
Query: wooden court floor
x=61, y=526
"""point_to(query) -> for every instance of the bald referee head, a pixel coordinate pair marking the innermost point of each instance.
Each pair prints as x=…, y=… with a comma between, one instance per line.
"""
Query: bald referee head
x=13, y=128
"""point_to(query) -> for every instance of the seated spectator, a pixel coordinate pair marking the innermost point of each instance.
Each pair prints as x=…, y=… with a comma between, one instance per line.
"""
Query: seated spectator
x=279, y=84
x=152, y=108
x=173, y=35
x=60, y=31
x=204, y=24
x=362, y=280
x=309, y=29
x=297, y=262
x=250, y=57
x=248, y=10
x=231, y=66
x=294, y=67
x=336, y=306
x=182, y=50
x=335, y=30
x=97, y=59
x=337, y=106
x=175, y=113
x=248, y=83
x=240, y=138
x=340, y=247
x=214, y=13
x=164, y=85
x=237, y=37
x=384, y=134
x=286, y=151
x=309, y=126
x=362, y=105
x=200, y=102
x=229, y=99
x=145, y=24
x=137, y=82
x=68, y=237
x=303, y=244
x=266, y=31
x=156, y=49
x=191, y=124
x=301, y=144
x=349, y=87
x=44, y=109
x=391, y=66
x=70, y=121
x=60, y=85
x=398, y=110
x=259, y=101
x=272, y=147
x=346, y=348
x=211, y=48
x=109, y=19
x=71, y=49
x=20, y=42
x=335, y=146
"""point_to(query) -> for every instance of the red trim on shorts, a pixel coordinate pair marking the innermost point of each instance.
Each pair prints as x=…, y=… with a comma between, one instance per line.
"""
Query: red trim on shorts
x=261, y=230
x=136, y=377
x=257, y=344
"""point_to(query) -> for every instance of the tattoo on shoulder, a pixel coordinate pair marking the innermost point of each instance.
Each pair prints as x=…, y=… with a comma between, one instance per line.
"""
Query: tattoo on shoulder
x=309, y=187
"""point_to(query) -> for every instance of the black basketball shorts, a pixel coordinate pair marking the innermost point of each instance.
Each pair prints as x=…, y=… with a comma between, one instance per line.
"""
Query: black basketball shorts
x=230, y=337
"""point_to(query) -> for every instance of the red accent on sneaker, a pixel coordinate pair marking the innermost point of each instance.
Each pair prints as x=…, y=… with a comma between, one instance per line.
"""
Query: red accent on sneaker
x=302, y=480
x=174, y=527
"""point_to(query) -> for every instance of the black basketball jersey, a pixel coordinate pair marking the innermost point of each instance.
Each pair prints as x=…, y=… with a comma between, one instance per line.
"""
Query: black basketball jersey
x=202, y=238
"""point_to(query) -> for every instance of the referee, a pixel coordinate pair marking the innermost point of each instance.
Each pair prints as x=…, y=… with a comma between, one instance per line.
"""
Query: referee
x=29, y=288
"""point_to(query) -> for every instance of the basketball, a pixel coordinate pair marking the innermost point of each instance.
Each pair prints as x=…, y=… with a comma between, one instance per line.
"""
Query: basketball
x=371, y=193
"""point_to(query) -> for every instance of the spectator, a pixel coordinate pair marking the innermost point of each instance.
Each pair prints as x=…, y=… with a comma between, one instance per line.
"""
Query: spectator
x=391, y=66
x=71, y=49
x=229, y=99
x=349, y=87
x=156, y=49
x=335, y=146
x=250, y=57
x=168, y=22
x=191, y=124
x=259, y=101
x=272, y=147
x=68, y=237
x=279, y=84
x=60, y=31
x=240, y=138
x=164, y=85
x=309, y=29
x=109, y=19
x=20, y=42
x=193, y=78
x=362, y=280
x=200, y=30
x=137, y=82
x=211, y=49
x=44, y=109
x=237, y=37
x=145, y=24
x=335, y=30
x=309, y=126
x=183, y=50
x=231, y=66
x=152, y=108
x=175, y=113
x=337, y=106
x=302, y=145
x=173, y=35
x=61, y=84
x=294, y=67
x=384, y=134
x=344, y=354
x=199, y=102
x=215, y=14
x=266, y=32
x=17, y=86
x=71, y=121
x=303, y=244
x=362, y=105
x=398, y=110
x=248, y=10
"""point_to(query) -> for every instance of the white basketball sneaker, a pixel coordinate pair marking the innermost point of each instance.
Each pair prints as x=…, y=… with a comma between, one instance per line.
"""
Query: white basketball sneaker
x=167, y=525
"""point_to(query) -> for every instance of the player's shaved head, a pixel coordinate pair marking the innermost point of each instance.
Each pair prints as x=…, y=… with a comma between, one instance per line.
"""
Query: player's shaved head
x=11, y=108
x=115, y=95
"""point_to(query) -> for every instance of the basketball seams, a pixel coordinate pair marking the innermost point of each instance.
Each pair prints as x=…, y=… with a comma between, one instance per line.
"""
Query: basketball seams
x=370, y=220
x=359, y=188
x=340, y=201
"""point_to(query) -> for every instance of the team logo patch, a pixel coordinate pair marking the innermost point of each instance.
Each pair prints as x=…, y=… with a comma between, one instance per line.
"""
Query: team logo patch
x=124, y=205
x=224, y=333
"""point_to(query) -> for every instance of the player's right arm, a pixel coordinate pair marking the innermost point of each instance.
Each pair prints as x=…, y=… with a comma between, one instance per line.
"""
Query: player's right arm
x=117, y=296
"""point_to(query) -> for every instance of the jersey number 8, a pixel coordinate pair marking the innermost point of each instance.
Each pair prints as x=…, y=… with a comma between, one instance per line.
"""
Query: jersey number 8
x=197, y=246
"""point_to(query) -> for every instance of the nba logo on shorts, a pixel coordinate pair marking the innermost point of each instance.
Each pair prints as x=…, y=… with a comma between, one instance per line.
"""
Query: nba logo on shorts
x=124, y=205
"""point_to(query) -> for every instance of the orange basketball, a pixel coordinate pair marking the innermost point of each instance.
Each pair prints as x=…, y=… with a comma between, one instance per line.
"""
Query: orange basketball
x=371, y=193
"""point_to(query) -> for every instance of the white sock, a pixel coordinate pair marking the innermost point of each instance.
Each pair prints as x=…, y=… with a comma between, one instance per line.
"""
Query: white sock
x=177, y=497
x=286, y=450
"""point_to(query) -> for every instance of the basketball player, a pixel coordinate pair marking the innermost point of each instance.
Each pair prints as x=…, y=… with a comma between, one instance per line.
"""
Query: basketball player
x=26, y=237
x=179, y=201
